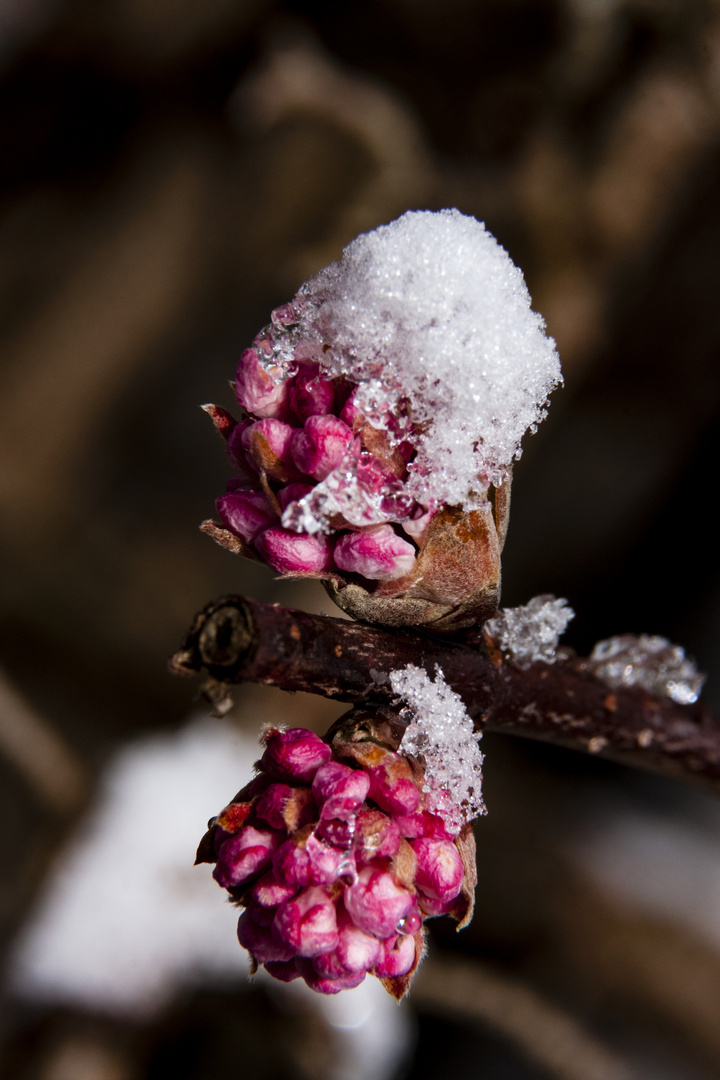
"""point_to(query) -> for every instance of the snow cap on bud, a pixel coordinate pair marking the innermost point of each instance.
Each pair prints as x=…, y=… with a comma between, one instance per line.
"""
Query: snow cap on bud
x=397, y=386
x=336, y=859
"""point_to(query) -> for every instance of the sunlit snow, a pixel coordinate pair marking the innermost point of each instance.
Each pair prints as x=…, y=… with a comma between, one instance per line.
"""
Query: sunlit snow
x=441, y=734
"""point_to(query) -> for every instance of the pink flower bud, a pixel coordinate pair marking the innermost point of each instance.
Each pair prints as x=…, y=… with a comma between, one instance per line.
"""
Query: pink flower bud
x=246, y=512
x=339, y=790
x=376, y=903
x=311, y=395
x=439, y=871
x=340, y=834
x=305, y=860
x=417, y=525
x=237, y=455
x=296, y=754
x=257, y=391
x=285, y=807
x=392, y=786
x=321, y=446
x=268, y=892
x=308, y=923
x=356, y=951
x=245, y=855
x=397, y=957
x=294, y=553
x=377, y=836
x=260, y=941
x=268, y=445
x=422, y=823
x=378, y=554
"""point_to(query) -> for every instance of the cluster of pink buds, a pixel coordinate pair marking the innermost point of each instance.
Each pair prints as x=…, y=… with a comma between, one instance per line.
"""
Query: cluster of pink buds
x=320, y=492
x=335, y=859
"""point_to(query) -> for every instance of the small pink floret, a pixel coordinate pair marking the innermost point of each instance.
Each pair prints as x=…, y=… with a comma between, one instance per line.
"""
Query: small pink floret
x=260, y=942
x=246, y=512
x=295, y=754
x=294, y=553
x=268, y=892
x=397, y=957
x=321, y=446
x=256, y=391
x=379, y=554
x=308, y=923
x=340, y=790
x=310, y=395
x=377, y=836
x=356, y=951
x=244, y=855
x=376, y=903
x=293, y=493
x=439, y=869
x=392, y=786
x=268, y=444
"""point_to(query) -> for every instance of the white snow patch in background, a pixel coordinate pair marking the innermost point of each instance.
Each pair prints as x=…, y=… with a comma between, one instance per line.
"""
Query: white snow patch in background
x=441, y=734
x=650, y=662
x=531, y=632
x=373, y=1033
x=126, y=922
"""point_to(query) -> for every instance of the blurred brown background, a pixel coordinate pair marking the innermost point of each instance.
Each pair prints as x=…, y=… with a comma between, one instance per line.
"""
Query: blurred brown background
x=171, y=170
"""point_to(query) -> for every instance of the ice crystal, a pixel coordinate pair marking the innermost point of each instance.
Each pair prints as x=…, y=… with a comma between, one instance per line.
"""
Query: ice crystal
x=531, y=632
x=431, y=319
x=441, y=734
x=650, y=662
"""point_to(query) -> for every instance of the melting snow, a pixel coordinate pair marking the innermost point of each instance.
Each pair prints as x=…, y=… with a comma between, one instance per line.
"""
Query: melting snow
x=430, y=310
x=650, y=662
x=531, y=632
x=441, y=733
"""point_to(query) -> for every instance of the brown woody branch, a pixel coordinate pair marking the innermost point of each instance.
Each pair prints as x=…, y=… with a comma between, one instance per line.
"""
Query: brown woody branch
x=234, y=640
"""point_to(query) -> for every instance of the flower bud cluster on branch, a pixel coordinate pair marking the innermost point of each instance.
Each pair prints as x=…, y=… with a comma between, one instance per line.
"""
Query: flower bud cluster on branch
x=382, y=409
x=337, y=859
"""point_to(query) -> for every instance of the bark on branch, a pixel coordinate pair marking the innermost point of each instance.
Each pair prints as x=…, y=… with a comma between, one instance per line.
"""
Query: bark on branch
x=234, y=640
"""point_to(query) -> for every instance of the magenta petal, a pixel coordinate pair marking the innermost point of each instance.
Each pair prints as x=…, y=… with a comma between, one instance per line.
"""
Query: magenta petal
x=246, y=512
x=377, y=554
x=377, y=836
x=321, y=446
x=295, y=754
x=376, y=903
x=322, y=985
x=268, y=892
x=244, y=855
x=310, y=395
x=397, y=958
x=260, y=942
x=294, y=553
x=439, y=869
x=339, y=790
x=256, y=390
x=308, y=923
x=356, y=951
